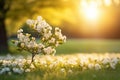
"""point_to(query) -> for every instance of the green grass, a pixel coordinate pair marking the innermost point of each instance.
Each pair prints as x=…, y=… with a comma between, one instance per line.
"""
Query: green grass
x=83, y=75
x=90, y=46
x=70, y=47
x=82, y=46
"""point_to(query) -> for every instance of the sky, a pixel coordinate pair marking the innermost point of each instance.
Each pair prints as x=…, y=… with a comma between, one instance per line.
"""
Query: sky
x=99, y=19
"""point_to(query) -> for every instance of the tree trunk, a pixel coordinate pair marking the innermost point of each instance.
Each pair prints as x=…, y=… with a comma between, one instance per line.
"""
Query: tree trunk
x=3, y=36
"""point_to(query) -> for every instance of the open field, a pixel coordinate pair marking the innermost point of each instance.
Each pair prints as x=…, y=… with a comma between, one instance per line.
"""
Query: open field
x=90, y=46
x=75, y=60
x=83, y=46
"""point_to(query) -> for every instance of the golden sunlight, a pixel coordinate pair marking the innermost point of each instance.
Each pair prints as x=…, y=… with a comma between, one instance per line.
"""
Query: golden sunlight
x=99, y=17
x=90, y=10
x=107, y=2
x=117, y=2
x=91, y=13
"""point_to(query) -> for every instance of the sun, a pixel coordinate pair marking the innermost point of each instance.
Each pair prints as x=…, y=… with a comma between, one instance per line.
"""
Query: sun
x=91, y=13
x=90, y=10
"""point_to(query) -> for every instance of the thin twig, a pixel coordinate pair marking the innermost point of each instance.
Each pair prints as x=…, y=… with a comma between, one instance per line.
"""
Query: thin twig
x=33, y=55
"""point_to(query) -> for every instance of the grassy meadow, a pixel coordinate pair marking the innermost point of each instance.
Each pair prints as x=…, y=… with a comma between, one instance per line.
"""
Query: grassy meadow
x=82, y=46
x=76, y=60
x=89, y=46
x=84, y=75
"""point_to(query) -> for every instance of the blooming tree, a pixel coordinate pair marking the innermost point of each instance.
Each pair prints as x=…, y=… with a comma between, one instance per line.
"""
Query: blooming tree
x=50, y=38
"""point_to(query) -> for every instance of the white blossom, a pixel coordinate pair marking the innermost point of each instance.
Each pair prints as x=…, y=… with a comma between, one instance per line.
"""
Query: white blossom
x=47, y=35
x=39, y=28
x=57, y=29
x=106, y=60
x=40, y=47
x=30, y=22
x=97, y=67
x=32, y=66
x=39, y=18
x=32, y=44
x=114, y=60
x=62, y=70
x=44, y=24
x=67, y=63
x=57, y=44
x=17, y=70
x=113, y=65
x=20, y=31
x=70, y=71
x=64, y=39
x=48, y=50
x=27, y=70
x=5, y=69
x=91, y=66
x=53, y=52
x=58, y=34
x=22, y=45
x=20, y=36
x=52, y=40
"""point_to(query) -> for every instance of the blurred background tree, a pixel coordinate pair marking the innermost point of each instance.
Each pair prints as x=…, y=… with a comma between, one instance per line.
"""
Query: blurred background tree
x=13, y=14
x=4, y=8
x=70, y=15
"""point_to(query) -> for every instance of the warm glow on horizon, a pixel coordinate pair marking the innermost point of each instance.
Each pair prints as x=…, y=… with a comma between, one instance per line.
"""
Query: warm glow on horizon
x=98, y=17
x=107, y=2
x=91, y=13
x=117, y=2
x=90, y=10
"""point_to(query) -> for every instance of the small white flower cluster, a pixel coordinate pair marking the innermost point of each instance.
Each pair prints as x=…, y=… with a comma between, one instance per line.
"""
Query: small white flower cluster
x=64, y=64
x=50, y=38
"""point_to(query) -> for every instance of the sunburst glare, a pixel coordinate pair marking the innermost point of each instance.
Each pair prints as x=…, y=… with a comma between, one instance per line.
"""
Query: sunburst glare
x=90, y=10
